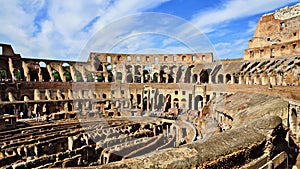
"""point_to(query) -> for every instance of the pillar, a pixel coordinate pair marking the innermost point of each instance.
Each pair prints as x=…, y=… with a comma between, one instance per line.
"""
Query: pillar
x=232, y=79
x=241, y=79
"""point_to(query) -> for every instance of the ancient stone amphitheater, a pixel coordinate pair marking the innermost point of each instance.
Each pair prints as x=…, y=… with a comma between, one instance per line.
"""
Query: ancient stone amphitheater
x=157, y=110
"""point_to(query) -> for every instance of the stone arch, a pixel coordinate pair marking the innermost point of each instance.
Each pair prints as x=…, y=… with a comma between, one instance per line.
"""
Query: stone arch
x=78, y=75
x=155, y=77
x=176, y=103
x=25, y=96
x=228, y=79
x=67, y=72
x=137, y=74
x=45, y=73
x=110, y=73
x=220, y=78
x=198, y=102
x=56, y=75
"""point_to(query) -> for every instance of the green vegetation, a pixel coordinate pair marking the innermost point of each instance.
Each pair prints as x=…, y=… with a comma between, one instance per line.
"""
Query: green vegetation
x=68, y=76
x=90, y=77
x=100, y=77
x=78, y=76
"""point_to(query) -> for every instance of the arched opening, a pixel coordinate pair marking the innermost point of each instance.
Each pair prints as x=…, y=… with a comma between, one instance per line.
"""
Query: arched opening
x=110, y=76
x=45, y=73
x=179, y=73
x=146, y=74
x=56, y=75
x=67, y=74
x=293, y=120
x=170, y=79
x=3, y=74
x=145, y=103
x=220, y=78
x=228, y=78
x=162, y=76
x=176, y=103
x=137, y=74
x=100, y=77
x=188, y=75
x=139, y=101
x=34, y=75
x=129, y=78
x=78, y=76
x=168, y=103
x=155, y=78
x=17, y=74
x=119, y=77
x=24, y=98
x=161, y=101
x=194, y=78
x=90, y=77
x=198, y=102
x=204, y=77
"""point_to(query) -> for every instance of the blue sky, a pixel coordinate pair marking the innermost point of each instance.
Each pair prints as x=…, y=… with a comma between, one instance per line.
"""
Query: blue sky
x=68, y=30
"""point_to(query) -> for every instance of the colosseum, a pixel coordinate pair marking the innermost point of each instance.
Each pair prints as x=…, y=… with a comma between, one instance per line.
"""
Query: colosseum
x=157, y=110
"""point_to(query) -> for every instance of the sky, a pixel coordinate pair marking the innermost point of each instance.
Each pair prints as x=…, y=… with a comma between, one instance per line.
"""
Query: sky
x=71, y=29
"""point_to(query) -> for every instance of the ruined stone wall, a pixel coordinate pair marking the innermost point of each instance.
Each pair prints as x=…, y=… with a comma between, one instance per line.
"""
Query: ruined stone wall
x=276, y=35
x=232, y=149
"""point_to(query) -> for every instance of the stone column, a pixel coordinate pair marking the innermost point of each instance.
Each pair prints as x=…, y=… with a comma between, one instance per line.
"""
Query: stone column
x=167, y=78
x=36, y=94
x=50, y=72
x=232, y=79
x=40, y=74
x=26, y=71
x=73, y=73
x=11, y=68
x=142, y=78
x=61, y=73
x=241, y=79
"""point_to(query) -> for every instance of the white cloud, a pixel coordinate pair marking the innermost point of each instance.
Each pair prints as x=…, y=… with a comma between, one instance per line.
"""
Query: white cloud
x=67, y=26
x=234, y=9
x=60, y=33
